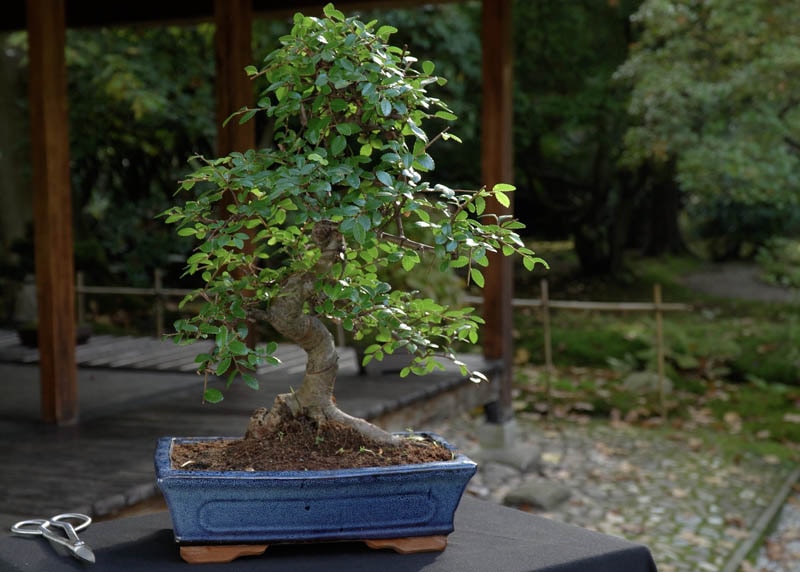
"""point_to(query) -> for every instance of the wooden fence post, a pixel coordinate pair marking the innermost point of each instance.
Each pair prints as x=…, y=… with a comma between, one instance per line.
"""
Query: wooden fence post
x=548, y=347
x=80, y=283
x=662, y=390
x=157, y=286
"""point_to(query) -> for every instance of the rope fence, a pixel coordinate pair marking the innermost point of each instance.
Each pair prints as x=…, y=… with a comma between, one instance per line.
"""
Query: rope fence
x=157, y=291
x=658, y=307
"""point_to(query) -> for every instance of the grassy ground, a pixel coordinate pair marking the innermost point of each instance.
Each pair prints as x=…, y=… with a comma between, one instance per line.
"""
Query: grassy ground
x=732, y=366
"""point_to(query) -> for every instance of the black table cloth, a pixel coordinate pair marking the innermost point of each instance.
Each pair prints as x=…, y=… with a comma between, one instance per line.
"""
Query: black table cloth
x=488, y=538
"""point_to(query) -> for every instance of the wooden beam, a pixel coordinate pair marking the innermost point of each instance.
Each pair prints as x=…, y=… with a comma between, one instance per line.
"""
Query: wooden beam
x=55, y=273
x=97, y=13
x=234, y=33
x=498, y=167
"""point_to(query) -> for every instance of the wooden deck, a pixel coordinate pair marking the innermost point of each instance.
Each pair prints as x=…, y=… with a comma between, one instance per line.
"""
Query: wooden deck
x=134, y=390
x=149, y=354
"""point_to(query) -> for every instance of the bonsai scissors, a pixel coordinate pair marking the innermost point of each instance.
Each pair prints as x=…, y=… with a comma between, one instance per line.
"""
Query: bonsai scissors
x=60, y=532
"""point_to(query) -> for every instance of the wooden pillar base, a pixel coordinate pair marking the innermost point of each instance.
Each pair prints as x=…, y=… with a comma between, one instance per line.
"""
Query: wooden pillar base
x=228, y=552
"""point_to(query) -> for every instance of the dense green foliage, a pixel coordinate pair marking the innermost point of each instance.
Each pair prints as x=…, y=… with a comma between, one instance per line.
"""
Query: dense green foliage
x=131, y=131
x=349, y=159
x=715, y=97
x=712, y=87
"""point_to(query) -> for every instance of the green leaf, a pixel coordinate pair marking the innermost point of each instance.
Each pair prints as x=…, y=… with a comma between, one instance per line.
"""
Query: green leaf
x=385, y=31
x=359, y=233
x=223, y=366
x=347, y=128
x=338, y=144
x=384, y=178
x=426, y=162
x=238, y=348
x=364, y=222
x=502, y=198
x=416, y=130
x=333, y=13
x=446, y=115
x=317, y=158
x=459, y=262
x=212, y=395
x=477, y=277
x=250, y=380
x=504, y=188
x=339, y=104
x=428, y=67
x=245, y=117
x=409, y=261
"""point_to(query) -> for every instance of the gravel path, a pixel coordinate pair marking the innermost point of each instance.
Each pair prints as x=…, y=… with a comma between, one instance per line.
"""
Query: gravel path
x=781, y=549
x=738, y=280
x=696, y=509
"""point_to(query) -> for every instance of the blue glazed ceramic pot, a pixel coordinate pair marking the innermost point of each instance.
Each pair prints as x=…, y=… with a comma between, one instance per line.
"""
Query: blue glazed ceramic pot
x=242, y=507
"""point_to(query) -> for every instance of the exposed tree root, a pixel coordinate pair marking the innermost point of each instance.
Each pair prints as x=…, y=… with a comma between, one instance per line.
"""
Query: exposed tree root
x=264, y=422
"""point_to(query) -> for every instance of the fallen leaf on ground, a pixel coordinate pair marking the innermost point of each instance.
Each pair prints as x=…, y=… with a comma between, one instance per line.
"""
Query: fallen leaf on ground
x=774, y=550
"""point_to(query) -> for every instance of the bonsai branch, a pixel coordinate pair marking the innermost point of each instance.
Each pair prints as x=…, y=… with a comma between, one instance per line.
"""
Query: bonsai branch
x=405, y=242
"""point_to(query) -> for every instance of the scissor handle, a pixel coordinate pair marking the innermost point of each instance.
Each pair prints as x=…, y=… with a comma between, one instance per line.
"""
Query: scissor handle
x=65, y=518
x=38, y=525
x=32, y=526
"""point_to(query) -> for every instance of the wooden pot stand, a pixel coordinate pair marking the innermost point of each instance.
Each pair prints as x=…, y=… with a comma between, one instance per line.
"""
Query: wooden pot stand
x=228, y=552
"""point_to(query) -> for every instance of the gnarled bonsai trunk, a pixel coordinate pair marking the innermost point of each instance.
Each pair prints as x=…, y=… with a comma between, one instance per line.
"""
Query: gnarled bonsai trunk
x=286, y=313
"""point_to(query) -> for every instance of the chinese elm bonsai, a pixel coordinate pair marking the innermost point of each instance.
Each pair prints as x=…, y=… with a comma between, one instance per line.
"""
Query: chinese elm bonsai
x=294, y=235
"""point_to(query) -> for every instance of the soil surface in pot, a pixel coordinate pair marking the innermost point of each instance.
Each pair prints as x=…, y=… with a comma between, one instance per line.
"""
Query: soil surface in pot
x=301, y=445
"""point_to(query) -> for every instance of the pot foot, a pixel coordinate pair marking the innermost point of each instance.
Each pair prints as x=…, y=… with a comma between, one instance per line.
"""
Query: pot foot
x=229, y=552
x=220, y=553
x=410, y=545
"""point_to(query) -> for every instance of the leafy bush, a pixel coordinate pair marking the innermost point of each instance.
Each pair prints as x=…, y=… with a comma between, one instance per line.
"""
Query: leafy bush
x=779, y=259
x=732, y=229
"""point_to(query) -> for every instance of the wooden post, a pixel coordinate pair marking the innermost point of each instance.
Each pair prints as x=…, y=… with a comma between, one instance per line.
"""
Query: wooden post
x=234, y=90
x=548, y=347
x=55, y=272
x=497, y=167
x=662, y=390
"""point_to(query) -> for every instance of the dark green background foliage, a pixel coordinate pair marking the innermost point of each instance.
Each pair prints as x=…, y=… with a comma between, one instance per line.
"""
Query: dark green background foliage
x=629, y=115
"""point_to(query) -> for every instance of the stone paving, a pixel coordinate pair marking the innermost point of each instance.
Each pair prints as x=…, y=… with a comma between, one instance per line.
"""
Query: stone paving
x=696, y=509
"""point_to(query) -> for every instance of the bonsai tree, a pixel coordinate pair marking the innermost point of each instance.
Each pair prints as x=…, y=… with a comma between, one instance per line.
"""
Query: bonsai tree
x=294, y=235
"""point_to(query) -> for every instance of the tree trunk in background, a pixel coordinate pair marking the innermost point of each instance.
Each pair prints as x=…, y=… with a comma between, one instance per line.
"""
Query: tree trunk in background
x=663, y=234
x=592, y=248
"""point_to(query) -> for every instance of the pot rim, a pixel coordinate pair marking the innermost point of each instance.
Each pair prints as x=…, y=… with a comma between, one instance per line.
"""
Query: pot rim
x=164, y=465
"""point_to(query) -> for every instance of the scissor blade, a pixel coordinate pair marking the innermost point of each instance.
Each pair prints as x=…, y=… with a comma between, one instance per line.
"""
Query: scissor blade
x=83, y=552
